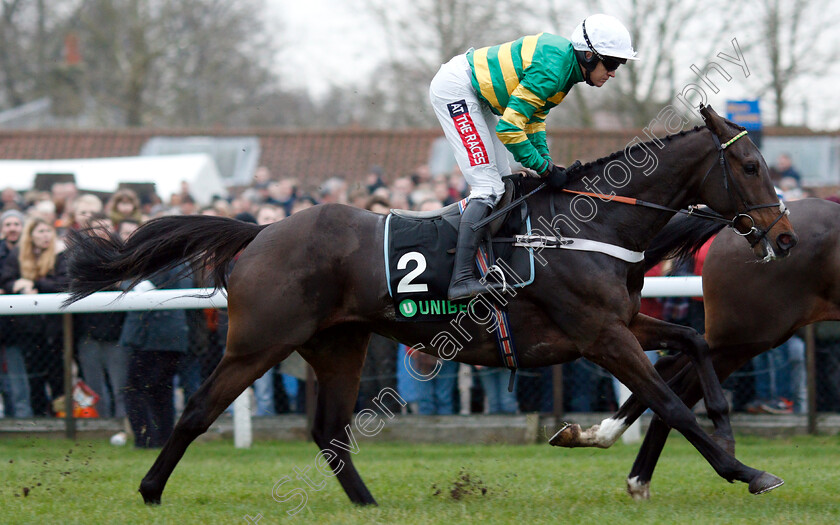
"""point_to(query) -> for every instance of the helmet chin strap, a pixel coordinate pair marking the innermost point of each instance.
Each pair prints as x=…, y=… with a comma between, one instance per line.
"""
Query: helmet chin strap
x=588, y=65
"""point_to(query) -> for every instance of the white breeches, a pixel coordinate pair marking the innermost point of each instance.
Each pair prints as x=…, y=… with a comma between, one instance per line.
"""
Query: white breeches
x=469, y=126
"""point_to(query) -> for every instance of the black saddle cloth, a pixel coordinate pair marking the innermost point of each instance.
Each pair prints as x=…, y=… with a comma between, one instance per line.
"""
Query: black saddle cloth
x=420, y=256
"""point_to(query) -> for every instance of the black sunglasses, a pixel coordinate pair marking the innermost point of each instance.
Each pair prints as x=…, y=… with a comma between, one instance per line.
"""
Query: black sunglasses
x=611, y=63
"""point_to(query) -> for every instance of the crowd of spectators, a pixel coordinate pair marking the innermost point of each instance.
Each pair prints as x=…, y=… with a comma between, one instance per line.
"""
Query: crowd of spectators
x=120, y=356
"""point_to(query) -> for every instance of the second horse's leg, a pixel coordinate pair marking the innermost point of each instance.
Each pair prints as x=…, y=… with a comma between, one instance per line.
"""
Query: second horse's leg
x=653, y=333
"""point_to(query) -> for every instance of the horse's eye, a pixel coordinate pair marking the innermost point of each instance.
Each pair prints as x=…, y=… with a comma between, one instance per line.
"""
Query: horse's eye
x=750, y=169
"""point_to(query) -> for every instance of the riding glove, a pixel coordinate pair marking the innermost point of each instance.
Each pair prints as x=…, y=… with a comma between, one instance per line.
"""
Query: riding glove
x=556, y=175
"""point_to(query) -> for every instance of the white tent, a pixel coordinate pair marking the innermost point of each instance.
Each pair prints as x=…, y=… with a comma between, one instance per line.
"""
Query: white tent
x=105, y=174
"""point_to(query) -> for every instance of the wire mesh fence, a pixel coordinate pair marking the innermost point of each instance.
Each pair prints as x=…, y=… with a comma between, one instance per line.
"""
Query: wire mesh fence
x=32, y=374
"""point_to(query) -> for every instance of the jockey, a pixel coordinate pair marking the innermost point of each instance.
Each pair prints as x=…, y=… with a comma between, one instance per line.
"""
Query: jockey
x=519, y=81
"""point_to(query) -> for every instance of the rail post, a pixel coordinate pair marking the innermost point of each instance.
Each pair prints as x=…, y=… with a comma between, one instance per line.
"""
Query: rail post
x=811, y=377
x=69, y=418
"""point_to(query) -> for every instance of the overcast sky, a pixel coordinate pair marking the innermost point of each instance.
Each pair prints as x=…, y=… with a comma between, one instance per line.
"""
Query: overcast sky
x=329, y=42
x=335, y=42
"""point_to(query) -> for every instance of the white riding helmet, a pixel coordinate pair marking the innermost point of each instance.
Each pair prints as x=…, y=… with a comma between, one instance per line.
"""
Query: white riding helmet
x=607, y=37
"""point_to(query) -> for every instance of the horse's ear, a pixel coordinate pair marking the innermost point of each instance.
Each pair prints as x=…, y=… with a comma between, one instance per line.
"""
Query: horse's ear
x=713, y=121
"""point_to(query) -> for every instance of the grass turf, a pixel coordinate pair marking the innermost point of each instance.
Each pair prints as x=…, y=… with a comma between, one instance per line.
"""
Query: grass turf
x=58, y=481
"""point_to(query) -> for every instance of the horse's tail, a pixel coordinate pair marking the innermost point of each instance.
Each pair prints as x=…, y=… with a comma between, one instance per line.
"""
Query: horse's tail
x=681, y=237
x=95, y=263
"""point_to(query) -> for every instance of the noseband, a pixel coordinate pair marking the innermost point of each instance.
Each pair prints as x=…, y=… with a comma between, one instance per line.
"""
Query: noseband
x=730, y=184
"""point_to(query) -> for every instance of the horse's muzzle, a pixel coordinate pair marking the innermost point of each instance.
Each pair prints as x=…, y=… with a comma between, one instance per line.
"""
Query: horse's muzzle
x=769, y=249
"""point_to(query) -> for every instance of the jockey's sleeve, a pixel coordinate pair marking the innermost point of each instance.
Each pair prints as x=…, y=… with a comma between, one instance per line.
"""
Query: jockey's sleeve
x=536, y=134
x=545, y=82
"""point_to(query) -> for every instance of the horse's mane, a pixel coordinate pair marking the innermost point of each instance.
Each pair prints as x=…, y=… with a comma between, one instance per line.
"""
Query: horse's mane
x=577, y=173
x=680, y=239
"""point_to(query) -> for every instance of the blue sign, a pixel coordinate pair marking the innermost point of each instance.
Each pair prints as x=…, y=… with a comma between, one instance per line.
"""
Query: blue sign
x=744, y=113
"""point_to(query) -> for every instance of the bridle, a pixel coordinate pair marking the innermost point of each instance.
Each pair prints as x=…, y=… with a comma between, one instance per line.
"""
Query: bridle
x=730, y=184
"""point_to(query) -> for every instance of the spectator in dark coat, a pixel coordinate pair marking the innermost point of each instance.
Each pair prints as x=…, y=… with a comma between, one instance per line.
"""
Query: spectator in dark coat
x=14, y=383
x=784, y=165
x=157, y=340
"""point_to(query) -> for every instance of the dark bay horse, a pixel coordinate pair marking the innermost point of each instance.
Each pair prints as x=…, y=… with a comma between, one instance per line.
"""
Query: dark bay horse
x=315, y=283
x=750, y=308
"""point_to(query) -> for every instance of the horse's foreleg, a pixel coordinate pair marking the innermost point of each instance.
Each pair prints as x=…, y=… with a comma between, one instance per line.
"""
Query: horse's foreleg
x=617, y=350
x=230, y=378
x=686, y=385
x=337, y=356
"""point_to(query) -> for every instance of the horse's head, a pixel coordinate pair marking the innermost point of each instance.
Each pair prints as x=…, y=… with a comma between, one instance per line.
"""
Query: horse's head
x=738, y=185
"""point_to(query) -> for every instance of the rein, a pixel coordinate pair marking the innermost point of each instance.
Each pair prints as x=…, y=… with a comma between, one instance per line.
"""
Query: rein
x=696, y=211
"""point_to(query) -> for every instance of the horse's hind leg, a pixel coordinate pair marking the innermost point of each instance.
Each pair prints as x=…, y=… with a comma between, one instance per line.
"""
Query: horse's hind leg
x=231, y=377
x=672, y=368
x=337, y=356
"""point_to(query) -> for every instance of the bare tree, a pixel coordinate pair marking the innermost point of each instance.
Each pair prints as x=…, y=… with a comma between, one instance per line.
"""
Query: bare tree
x=787, y=40
x=145, y=62
x=796, y=38
x=186, y=63
x=27, y=38
x=424, y=34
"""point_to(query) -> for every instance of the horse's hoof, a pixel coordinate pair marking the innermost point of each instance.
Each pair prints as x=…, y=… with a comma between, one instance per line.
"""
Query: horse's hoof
x=638, y=490
x=765, y=482
x=568, y=436
x=151, y=501
x=150, y=497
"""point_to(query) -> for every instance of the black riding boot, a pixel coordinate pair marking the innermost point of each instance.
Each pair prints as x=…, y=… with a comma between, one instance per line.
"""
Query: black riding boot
x=464, y=283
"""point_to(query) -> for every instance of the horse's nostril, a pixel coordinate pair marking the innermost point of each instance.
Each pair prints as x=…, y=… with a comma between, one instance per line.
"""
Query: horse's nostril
x=786, y=241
